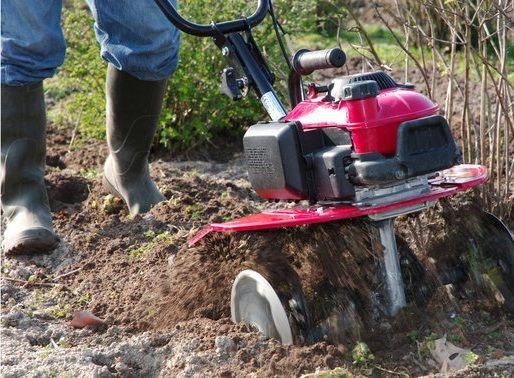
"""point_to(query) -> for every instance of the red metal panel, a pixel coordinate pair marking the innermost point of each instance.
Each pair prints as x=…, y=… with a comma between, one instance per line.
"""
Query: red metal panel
x=447, y=183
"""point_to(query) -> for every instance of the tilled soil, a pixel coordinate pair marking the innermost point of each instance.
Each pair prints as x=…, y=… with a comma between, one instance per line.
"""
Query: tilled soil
x=166, y=306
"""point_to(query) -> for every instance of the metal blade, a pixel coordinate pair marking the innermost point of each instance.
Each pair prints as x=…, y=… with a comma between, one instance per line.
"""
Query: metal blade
x=391, y=267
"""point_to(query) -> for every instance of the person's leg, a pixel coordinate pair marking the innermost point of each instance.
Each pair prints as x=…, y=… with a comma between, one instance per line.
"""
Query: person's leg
x=141, y=47
x=32, y=48
x=33, y=45
x=135, y=37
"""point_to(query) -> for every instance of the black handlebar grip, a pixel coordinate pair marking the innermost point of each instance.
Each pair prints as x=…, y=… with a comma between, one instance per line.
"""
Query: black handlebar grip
x=306, y=62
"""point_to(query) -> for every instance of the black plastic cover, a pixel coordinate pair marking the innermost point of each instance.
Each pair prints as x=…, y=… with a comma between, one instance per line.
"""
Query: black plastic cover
x=274, y=159
x=426, y=145
x=328, y=166
x=384, y=81
x=360, y=90
x=375, y=169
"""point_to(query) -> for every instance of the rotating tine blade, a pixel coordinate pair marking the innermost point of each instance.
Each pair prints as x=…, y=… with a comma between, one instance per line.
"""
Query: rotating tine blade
x=390, y=265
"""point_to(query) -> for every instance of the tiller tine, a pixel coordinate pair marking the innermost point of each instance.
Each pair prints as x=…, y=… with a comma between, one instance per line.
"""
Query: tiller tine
x=395, y=291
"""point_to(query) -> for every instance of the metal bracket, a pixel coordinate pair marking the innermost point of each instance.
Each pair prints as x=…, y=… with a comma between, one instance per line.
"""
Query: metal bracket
x=395, y=290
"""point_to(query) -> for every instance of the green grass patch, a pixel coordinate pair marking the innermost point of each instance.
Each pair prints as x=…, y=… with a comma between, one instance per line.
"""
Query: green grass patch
x=194, y=211
x=164, y=238
x=361, y=354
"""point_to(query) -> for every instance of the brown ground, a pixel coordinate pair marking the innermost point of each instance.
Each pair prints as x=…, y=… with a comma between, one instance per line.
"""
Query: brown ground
x=138, y=274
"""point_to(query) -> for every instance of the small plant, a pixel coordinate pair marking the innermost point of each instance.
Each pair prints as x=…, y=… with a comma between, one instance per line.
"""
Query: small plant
x=138, y=253
x=45, y=353
x=494, y=335
x=190, y=174
x=194, y=211
x=361, y=354
x=174, y=201
x=113, y=294
x=84, y=299
x=149, y=234
x=94, y=204
x=111, y=204
x=32, y=278
x=430, y=339
x=470, y=358
x=458, y=321
x=89, y=173
x=163, y=238
x=427, y=344
x=413, y=336
x=454, y=338
x=63, y=343
x=60, y=311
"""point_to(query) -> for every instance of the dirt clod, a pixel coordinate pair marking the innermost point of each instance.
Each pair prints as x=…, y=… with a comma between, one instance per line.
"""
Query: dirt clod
x=83, y=319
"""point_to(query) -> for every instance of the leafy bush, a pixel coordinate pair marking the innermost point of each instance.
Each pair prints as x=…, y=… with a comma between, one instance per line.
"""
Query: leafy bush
x=194, y=109
x=79, y=86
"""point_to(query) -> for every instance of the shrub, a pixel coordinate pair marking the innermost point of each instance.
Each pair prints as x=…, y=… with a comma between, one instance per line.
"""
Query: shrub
x=194, y=109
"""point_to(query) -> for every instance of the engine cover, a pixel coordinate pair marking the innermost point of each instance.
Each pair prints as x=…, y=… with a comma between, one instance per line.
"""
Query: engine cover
x=275, y=161
x=373, y=121
x=425, y=145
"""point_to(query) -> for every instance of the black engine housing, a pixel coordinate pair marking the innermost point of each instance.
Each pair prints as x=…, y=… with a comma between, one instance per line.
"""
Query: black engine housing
x=286, y=162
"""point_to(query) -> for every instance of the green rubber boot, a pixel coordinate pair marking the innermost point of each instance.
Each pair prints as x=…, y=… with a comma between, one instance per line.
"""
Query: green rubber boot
x=133, y=109
x=23, y=152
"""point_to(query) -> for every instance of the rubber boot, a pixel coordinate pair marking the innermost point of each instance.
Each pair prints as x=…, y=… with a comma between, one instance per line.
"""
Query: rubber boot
x=133, y=109
x=23, y=151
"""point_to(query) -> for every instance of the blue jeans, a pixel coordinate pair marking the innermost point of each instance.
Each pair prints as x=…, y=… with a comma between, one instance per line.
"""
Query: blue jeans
x=133, y=34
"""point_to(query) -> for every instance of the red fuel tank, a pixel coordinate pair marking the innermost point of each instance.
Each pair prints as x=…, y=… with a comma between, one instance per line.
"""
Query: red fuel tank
x=373, y=122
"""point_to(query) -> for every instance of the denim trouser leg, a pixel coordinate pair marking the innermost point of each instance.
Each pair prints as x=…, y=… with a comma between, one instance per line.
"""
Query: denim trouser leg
x=32, y=42
x=136, y=37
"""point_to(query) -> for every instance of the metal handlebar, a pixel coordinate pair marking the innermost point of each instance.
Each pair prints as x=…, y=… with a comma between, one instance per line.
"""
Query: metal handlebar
x=215, y=28
x=306, y=62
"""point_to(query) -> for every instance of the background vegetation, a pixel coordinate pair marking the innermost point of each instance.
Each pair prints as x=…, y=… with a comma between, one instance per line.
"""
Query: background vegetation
x=458, y=52
x=194, y=109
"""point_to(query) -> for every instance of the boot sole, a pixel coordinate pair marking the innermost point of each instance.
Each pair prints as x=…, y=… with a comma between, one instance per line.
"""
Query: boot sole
x=31, y=242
